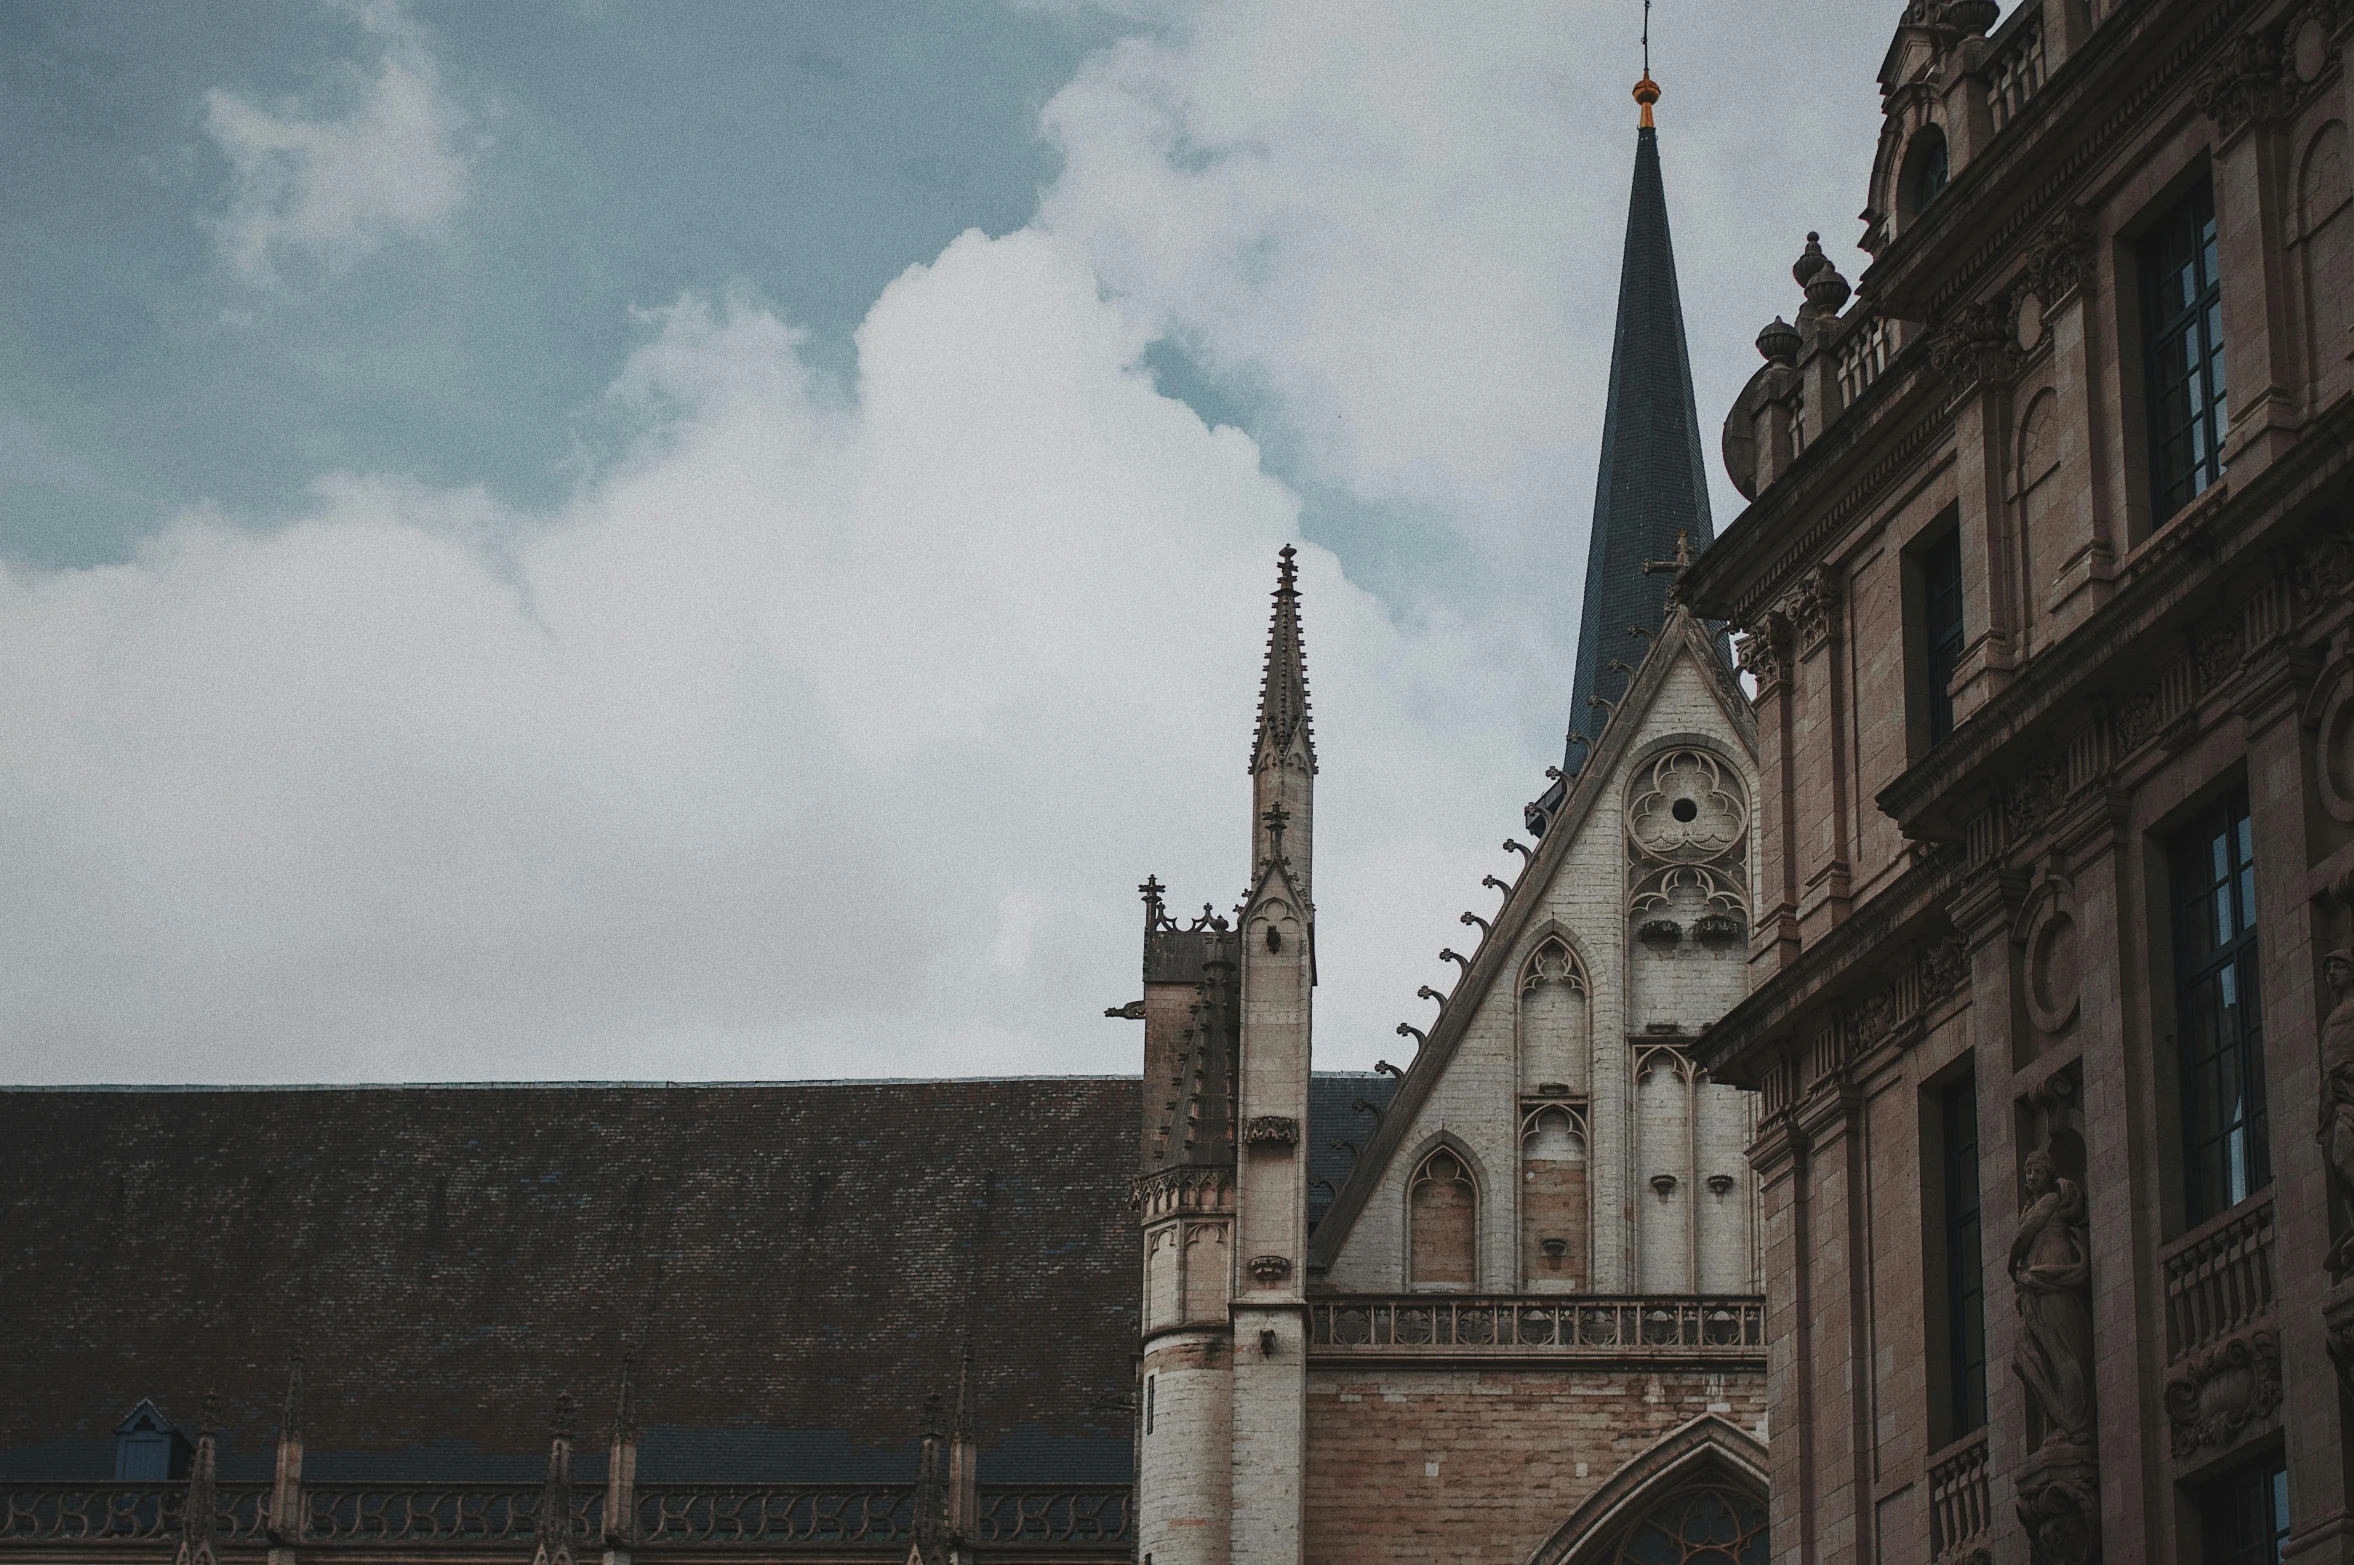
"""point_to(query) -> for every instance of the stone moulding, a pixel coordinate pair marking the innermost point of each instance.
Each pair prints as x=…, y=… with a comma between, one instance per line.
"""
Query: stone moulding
x=2060, y=1506
x=2214, y=1394
x=1270, y=1268
x=1183, y=1190
x=1271, y=1130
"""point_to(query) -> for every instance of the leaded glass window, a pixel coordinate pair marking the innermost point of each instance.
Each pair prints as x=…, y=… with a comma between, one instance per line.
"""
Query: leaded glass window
x=1707, y=1525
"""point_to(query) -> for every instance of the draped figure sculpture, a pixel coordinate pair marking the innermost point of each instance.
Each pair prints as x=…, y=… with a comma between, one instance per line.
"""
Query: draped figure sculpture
x=2051, y=1268
x=2336, y=1130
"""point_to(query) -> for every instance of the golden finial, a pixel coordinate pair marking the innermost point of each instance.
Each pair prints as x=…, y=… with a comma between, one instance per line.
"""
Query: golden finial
x=1646, y=90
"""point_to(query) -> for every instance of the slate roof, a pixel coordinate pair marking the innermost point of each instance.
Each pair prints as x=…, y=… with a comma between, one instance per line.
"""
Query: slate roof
x=1334, y=1118
x=1650, y=484
x=798, y=1263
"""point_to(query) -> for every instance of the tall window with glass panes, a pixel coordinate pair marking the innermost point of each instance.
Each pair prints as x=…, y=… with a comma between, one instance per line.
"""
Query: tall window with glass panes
x=2182, y=314
x=1965, y=1274
x=2219, y=1022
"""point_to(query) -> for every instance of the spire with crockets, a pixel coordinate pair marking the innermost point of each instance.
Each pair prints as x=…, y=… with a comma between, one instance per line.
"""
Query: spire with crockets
x=1651, y=490
x=1283, y=755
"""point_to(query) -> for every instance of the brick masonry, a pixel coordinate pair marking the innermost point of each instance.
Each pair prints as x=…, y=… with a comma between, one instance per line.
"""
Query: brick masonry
x=1480, y=1466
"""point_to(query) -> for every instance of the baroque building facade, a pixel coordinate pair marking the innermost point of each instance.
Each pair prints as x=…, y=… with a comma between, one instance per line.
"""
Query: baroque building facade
x=1521, y=1322
x=2044, y=586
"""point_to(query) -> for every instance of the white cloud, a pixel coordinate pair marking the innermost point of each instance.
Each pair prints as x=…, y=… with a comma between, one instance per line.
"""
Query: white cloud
x=825, y=740
x=1405, y=219
x=332, y=189
x=805, y=742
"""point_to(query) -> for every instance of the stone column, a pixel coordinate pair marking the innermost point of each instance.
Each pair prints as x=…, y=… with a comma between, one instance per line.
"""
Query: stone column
x=2306, y=1017
x=2243, y=94
x=1819, y=764
x=1838, y=1369
x=1784, y=1171
x=1989, y=571
x=1773, y=934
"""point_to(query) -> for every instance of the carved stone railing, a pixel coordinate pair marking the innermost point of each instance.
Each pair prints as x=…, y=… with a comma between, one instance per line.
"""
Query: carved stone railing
x=422, y=1514
x=706, y=1514
x=1074, y=1515
x=1573, y=1326
x=360, y=1521
x=2219, y=1278
x=1957, y=1498
x=1863, y=353
x=2014, y=74
x=119, y=1513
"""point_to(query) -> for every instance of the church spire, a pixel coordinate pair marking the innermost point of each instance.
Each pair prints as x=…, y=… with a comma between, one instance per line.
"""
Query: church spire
x=1650, y=486
x=1283, y=688
x=1283, y=756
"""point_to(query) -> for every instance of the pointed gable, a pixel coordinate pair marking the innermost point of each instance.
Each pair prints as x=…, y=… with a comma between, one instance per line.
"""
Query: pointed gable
x=1683, y=662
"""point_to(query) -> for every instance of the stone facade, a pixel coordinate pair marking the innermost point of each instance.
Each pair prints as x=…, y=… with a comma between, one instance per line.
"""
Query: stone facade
x=2051, y=645
x=1540, y=1271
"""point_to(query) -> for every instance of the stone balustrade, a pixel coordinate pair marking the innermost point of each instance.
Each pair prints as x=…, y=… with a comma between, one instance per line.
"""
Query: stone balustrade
x=1958, y=1516
x=1568, y=1326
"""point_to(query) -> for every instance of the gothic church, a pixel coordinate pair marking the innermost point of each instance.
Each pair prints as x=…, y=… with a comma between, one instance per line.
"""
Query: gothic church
x=1523, y=1323
x=1501, y=1306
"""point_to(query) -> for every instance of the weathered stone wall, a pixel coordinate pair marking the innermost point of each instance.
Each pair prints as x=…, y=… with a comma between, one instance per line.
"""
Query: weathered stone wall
x=2001, y=902
x=1477, y=1106
x=1480, y=1466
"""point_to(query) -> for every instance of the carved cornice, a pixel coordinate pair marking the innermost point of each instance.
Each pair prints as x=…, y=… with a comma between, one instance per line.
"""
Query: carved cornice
x=2060, y=1507
x=1976, y=346
x=1764, y=649
x=2243, y=85
x=1175, y=1191
x=1730, y=582
x=2215, y=1393
x=1813, y=608
x=2060, y=259
x=1271, y=1130
x=2217, y=544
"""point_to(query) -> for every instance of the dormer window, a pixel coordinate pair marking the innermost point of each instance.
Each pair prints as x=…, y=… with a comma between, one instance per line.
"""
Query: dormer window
x=148, y=1448
x=1925, y=168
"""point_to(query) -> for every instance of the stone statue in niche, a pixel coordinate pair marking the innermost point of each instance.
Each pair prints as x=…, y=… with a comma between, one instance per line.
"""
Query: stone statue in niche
x=2336, y=1130
x=2051, y=1266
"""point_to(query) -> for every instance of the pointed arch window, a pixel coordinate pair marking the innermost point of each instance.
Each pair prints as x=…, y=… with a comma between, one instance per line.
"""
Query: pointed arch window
x=1706, y=1525
x=1555, y=1044
x=1442, y=1214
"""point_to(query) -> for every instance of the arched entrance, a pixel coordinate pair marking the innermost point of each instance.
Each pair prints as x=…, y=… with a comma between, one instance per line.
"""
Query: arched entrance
x=1698, y=1497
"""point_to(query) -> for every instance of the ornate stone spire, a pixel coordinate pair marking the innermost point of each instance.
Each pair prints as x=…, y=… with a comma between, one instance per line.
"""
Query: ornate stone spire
x=1650, y=485
x=1283, y=689
x=285, y=1527
x=200, y=1510
x=552, y=1527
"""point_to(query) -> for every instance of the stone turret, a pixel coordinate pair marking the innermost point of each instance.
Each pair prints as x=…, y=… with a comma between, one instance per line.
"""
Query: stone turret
x=1278, y=969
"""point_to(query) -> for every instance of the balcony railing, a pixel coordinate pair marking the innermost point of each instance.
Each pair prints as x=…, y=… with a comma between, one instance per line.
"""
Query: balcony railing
x=427, y=1514
x=355, y=1521
x=2219, y=1278
x=2013, y=76
x=1863, y=354
x=1439, y=1326
x=1957, y=1498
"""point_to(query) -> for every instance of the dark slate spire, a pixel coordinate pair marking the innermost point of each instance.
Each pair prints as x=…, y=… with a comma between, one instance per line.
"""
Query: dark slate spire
x=1651, y=485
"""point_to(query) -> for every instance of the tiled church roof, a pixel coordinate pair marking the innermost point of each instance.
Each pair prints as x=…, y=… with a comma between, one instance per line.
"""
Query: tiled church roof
x=796, y=1262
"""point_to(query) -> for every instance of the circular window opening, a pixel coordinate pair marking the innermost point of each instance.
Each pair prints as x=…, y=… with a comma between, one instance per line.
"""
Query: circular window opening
x=1684, y=810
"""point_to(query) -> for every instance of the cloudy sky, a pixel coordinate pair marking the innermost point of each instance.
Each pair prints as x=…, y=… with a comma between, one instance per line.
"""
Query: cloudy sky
x=569, y=538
